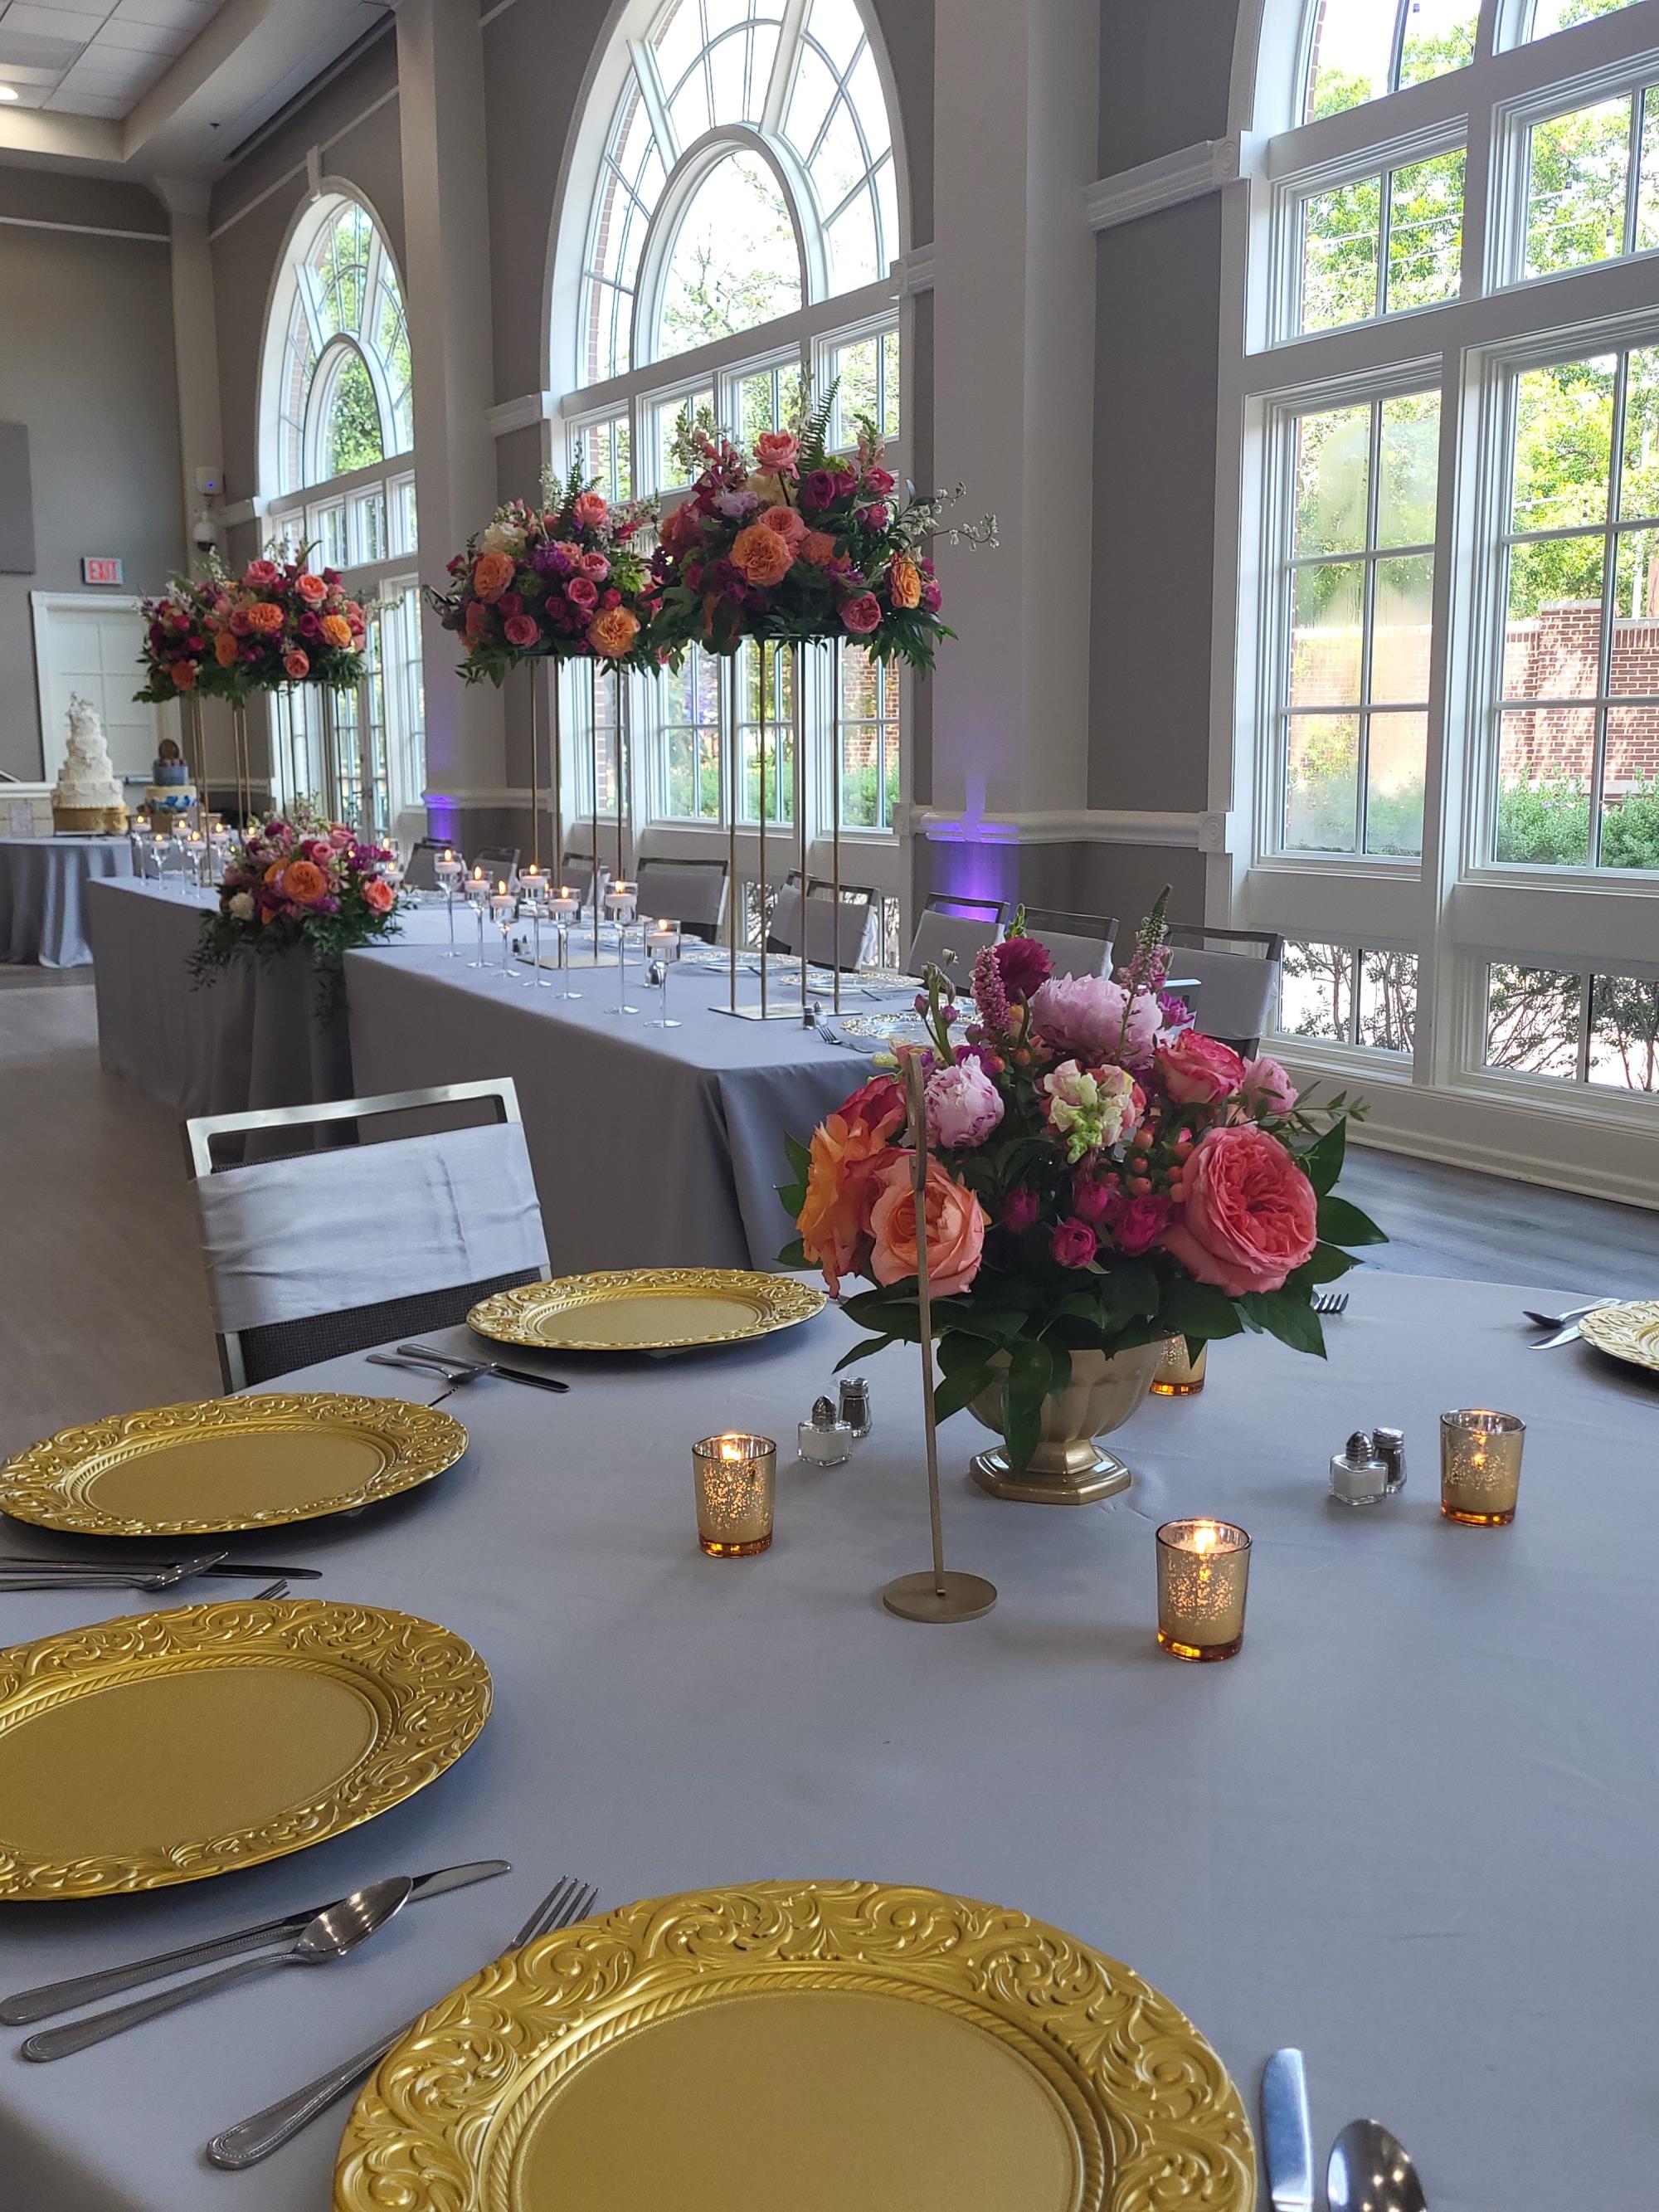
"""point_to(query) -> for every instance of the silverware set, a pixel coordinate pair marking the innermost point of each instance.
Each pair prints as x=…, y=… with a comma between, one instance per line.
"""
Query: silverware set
x=18, y=1571
x=1564, y=1325
x=1368, y=2170
x=457, y=1368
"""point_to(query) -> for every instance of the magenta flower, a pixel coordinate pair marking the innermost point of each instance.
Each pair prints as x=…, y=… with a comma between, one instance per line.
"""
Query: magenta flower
x=1020, y=1208
x=1074, y=1244
x=1022, y=963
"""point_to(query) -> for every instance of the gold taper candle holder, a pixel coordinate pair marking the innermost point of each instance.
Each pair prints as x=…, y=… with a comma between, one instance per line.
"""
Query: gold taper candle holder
x=1480, y=1466
x=1177, y=1375
x=736, y=1477
x=1203, y=1575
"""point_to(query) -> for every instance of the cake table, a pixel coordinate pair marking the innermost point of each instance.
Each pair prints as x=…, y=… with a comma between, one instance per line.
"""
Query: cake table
x=43, y=884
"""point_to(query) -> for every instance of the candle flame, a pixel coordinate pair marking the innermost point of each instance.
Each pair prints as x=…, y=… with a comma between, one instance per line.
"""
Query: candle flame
x=1205, y=1537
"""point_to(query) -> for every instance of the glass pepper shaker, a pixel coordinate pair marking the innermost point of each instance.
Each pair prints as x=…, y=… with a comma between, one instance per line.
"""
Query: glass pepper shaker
x=855, y=1405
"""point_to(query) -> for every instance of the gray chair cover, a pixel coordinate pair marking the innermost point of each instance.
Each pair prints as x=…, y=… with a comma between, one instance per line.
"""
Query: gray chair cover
x=691, y=892
x=939, y=935
x=835, y=933
x=1236, y=995
x=1073, y=955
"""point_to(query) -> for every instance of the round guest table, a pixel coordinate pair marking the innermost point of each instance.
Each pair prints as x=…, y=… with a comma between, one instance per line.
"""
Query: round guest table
x=1409, y=1828
x=43, y=883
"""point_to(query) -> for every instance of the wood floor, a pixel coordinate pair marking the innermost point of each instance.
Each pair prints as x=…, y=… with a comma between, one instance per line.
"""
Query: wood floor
x=102, y=1305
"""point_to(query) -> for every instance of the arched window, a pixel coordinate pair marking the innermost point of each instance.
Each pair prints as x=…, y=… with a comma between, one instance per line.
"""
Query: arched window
x=734, y=211
x=344, y=379
x=1446, y=687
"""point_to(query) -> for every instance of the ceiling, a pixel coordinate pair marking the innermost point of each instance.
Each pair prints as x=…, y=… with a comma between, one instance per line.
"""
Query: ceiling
x=93, y=57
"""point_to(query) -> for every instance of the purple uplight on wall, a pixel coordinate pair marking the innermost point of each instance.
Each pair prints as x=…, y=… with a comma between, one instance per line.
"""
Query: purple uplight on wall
x=976, y=871
x=443, y=818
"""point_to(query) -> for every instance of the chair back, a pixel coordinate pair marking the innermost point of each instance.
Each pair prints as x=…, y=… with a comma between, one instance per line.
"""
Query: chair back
x=1237, y=988
x=834, y=932
x=1077, y=944
x=576, y=874
x=498, y=862
x=950, y=941
x=693, y=892
x=421, y=873
x=296, y=1248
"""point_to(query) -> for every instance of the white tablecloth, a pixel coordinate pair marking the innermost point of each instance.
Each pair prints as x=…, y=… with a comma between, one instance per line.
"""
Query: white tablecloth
x=43, y=884
x=1410, y=1828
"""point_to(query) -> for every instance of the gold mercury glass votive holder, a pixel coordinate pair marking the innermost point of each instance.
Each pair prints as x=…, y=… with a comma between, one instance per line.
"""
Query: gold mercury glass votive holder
x=736, y=1475
x=1480, y=1466
x=1177, y=1375
x=1203, y=1574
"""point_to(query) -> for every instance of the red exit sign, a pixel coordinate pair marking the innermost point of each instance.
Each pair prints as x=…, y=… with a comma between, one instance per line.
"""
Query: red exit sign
x=101, y=568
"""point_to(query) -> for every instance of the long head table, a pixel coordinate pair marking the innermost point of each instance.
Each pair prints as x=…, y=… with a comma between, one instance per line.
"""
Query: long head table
x=1410, y=1828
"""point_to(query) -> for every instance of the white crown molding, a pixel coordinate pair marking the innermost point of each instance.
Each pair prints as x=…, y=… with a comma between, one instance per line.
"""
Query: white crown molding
x=1094, y=825
x=913, y=273
x=523, y=413
x=85, y=229
x=1189, y=174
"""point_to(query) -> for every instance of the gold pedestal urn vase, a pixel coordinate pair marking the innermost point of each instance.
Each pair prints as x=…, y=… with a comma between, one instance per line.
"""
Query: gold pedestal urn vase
x=1068, y=1467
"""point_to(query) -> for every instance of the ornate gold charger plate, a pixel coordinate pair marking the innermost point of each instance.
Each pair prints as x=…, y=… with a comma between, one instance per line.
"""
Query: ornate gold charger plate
x=223, y=1463
x=646, y=1309
x=172, y=1746
x=1630, y=1333
x=818, y=2046
x=879, y=1027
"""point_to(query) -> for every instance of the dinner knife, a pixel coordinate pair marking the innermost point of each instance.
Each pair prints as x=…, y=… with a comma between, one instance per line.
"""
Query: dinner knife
x=1287, y=2133
x=482, y=1366
x=88, y=1989
x=242, y=1569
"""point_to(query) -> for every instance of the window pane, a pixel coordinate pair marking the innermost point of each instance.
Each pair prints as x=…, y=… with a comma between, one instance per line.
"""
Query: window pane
x=1578, y=170
x=1630, y=791
x=734, y=261
x=1531, y=1020
x=1315, y=992
x=1397, y=752
x=1341, y=231
x=1561, y=15
x=1552, y=641
x=1409, y=470
x=1545, y=760
x=862, y=688
x=1439, y=36
x=1388, y=1000
x=1322, y=783
x=1332, y=464
x=1563, y=443
x=1327, y=634
x=605, y=451
x=352, y=438
x=890, y=416
x=702, y=404
x=858, y=391
x=1425, y=231
x=1639, y=471
x=1353, y=54
x=1624, y=1039
x=1634, y=663
x=1403, y=629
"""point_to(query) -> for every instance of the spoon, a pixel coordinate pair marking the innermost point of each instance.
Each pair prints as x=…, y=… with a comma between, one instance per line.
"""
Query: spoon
x=339, y=1929
x=1369, y=2171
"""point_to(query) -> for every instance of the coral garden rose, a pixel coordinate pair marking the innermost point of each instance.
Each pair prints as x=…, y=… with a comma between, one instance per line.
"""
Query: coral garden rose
x=492, y=572
x=963, y=1105
x=1072, y=1244
x=521, y=630
x=184, y=673
x=956, y=1229
x=1022, y=963
x=378, y=895
x=786, y=523
x=224, y=647
x=265, y=617
x=1199, y=1070
x=582, y=594
x=296, y=665
x=260, y=575
x=844, y=1159
x=776, y=449
x=861, y=615
x=1096, y=1018
x=337, y=630
x=1250, y=1216
x=762, y=557
x=304, y=882
x=904, y=582
x=312, y=589
x=612, y=632
x=1267, y=1089
x=681, y=531
x=588, y=510
x=818, y=547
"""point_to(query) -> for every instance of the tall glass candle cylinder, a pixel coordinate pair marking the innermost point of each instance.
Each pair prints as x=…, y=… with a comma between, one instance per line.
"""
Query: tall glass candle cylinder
x=1203, y=1575
x=1480, y=1466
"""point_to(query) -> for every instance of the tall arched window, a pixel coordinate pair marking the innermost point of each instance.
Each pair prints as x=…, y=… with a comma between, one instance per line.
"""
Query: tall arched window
x=735, y=208
x=1447, y=683
x=336, y=468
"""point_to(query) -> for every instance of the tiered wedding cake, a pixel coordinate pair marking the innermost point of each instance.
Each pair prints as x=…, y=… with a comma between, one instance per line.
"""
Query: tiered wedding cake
x=88, y=795
x=172, y=794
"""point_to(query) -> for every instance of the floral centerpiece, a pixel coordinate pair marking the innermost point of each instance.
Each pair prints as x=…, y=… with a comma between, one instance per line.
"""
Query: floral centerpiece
x=1102, y=1179
x=225, y=636
x=794, y=542
x=560, y=581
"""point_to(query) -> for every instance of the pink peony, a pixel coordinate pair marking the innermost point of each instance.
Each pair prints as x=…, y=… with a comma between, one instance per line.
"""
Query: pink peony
x=1199, y=1070
x=521, y=630
x=861, y=615
x=1250, y=1216
x=1074, y=1244
x=963, y=1105
x=1267, y=1089
x=1096, y=1018
x=776, y=450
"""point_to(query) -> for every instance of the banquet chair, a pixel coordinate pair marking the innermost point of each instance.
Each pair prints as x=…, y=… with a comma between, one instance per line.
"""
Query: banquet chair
x=693, y=892
x=300, y=1250
x=421, y=873
x=576, y=874
x=498, y=862
x=835, y=933
x=1079, y=944
x=1237, y=972
x=953, y=940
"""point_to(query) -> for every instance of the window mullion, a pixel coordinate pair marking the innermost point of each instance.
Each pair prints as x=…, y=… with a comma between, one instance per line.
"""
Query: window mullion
x=1633, y=171
x=1609, y=576
x=1368, y=624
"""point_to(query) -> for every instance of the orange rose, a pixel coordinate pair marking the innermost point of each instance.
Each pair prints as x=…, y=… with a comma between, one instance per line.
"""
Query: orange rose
x=904, y=582
x=312, y=589
x=184, y=673
x=336, y=630
x=378, y=895
x=224, y=648
x=818, y=547
x=787, y=523
x=296, y=664
x=304, y=882
x=491, y=574
x=265, y=617
x=846, y=1153
x=612, y=631
x=956, y=1229
x=762, y=556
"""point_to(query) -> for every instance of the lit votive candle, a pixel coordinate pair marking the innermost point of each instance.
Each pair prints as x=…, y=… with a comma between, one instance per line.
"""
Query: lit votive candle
x=663, y=936
x=1480, y=1466
x=532, y=881
x=565, y=903
x=620, y=901
x=1177, y=1375
x=501, y=901
x=736, y=1475
x=1203, y=1574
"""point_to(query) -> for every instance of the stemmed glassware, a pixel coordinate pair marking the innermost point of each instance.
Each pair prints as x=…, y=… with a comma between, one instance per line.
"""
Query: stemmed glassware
x=504, y=908
x=564, y=909
x=195, y=854
x=619, y=902
x=159, y=845
x=477, y=892
x=662, y=940
x=449, y=872
x=533, y=888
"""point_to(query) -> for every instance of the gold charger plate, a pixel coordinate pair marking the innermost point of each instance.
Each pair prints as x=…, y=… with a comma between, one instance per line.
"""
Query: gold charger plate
x=1630, y=1333
x=172, y=1746
x=646, y=1309
x=817, y=2046
x=217, y=1464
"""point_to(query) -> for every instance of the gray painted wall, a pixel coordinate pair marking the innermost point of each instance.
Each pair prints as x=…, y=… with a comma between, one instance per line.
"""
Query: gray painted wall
x=86, y=361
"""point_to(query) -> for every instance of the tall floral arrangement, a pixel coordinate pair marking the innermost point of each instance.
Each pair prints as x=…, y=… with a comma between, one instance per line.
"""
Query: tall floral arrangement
x=563, y=580
x=1101, y=1178
x=227, y=637
x=793, y=541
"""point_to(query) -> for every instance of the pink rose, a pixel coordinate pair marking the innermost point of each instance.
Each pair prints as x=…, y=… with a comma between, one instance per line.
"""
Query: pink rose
x=378, y=895
x=956, y=1229
x=1093, y=1201
x=963, y=1105
x=521, y=630
x=862, y=615
x=776, y=450
x=1199, y=1070
x=1074, y=1244
x=1020, y=1208
x=582, y=594
x=1096, y=1018
x=588, y=510
x=787, y=523
x=1250, y=1215
x=1138, y=1222
x=593, y=566
x=261, y=575
x=1267, y=1089
x=312, y=589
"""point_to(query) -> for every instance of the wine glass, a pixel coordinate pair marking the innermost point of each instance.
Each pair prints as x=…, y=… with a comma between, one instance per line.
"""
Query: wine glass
x=663, y=942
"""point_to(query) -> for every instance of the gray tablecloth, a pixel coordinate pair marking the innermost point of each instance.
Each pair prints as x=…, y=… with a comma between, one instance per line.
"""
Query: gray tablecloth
x=651, y=1148
x=1410, y=1828
x=43, y=888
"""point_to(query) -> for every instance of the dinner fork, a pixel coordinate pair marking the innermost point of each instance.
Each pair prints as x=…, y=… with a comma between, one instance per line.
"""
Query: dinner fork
x=163, y=1579
x=1330, y=1302
x=256, y=2137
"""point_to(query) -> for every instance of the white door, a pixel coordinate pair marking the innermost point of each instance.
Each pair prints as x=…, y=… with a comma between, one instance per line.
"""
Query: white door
x=87, y=644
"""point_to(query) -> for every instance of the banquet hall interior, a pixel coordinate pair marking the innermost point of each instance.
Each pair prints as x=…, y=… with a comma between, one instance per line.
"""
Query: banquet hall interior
x=916, y=743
